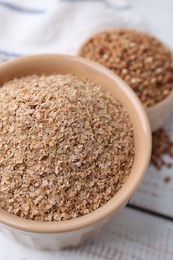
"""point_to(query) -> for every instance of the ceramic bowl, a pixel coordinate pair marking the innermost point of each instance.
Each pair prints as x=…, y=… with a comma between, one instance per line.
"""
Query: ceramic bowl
x=159, y=113
x=70, y=233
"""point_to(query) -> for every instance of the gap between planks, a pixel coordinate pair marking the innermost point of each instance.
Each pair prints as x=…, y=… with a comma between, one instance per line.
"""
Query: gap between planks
x=150, y=212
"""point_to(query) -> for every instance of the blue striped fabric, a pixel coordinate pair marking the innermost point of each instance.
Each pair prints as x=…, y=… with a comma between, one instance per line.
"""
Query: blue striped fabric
x=122, y=7
x=21, y=9
x=57, y=26
x=4, y=55
x=9, y=54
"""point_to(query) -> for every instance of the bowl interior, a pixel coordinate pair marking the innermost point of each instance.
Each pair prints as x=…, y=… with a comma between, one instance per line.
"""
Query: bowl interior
x=62, y=64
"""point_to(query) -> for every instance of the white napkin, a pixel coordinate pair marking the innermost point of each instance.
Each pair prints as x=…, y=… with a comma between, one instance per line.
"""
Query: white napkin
x=58, y=26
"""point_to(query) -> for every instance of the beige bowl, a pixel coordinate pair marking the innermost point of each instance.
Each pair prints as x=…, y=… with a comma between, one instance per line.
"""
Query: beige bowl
x=56, y=235
x=159, y=113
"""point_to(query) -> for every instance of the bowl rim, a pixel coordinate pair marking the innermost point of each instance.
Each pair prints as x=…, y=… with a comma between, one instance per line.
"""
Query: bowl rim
x=120, y=198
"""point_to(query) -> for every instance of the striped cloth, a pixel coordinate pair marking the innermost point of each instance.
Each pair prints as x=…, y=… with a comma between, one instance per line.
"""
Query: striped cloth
x=58, y=26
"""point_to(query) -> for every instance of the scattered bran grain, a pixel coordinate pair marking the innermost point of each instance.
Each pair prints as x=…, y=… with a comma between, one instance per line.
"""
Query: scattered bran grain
x=161, y=145
x=66, y=147
x=167, y=179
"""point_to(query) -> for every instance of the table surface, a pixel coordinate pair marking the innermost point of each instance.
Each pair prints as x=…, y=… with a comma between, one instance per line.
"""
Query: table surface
x=144, y=229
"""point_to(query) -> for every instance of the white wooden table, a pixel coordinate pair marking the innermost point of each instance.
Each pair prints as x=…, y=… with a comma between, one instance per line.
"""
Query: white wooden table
x=144, y=229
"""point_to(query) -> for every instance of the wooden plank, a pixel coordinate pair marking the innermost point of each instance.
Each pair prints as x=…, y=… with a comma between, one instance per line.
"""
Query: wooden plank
x=154, y=193
x=130, y=235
